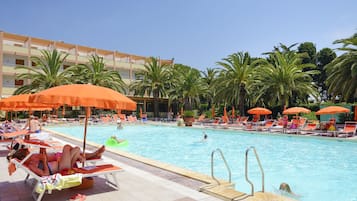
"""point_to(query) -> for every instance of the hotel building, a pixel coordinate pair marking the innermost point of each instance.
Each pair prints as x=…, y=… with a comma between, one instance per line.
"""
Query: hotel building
x=16, y=50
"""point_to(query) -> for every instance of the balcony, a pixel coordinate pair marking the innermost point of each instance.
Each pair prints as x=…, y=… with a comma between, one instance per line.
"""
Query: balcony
x=15, y=50
x=83, y=59
x=71, y=58
x=11, y=70
x=8, y=91
x=138, y=66
x=122, y=65
x=36, y=52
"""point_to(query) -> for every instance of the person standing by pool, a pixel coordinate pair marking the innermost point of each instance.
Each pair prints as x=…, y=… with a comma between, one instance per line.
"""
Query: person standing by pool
x=33, y=125
x=119, y=124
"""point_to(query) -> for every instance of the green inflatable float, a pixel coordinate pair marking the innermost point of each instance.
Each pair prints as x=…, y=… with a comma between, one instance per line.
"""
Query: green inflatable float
x=111, y=142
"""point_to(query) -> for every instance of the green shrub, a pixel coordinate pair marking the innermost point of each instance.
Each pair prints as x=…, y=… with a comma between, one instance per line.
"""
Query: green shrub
x=189, y=113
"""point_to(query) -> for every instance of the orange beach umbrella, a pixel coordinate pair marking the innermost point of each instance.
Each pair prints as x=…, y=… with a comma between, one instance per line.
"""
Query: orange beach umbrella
x=225, y=116
x=213, y=112
x=85, y=95
x=332, y=110
x=296, y=110
x=259, y=111
x=22, y=103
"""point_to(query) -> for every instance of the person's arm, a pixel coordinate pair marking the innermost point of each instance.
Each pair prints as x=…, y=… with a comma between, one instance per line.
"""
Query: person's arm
x=34, y=166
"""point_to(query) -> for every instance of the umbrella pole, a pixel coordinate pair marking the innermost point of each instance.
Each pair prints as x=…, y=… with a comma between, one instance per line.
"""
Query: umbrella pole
x=85, y=133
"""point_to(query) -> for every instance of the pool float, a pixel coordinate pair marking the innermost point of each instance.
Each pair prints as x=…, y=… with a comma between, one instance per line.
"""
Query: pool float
x=114, y=143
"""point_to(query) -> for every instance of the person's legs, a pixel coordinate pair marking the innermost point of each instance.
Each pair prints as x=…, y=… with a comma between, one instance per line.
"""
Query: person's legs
x=97, y=154
x=65, y=162
x=76, y=156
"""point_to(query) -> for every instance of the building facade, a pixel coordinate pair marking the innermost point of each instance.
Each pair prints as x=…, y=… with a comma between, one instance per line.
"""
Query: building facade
x=16, y=50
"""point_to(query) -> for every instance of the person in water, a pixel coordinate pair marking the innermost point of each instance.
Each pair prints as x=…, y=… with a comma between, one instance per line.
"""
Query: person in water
x=205, y=136
x=285, y=188
x=47, y=164
x=116, y=139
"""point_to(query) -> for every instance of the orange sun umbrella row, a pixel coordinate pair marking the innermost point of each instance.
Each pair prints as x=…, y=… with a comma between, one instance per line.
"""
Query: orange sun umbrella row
x=85, y=95
x=297, y=110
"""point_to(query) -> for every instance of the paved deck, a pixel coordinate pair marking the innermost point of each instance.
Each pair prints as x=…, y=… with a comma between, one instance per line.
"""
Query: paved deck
x=135, y=185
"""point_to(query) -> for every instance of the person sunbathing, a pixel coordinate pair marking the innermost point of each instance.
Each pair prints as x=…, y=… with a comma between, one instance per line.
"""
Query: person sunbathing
x=47, y=164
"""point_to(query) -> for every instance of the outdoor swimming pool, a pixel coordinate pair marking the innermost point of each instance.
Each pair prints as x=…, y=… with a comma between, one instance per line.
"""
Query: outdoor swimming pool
x=316, y=169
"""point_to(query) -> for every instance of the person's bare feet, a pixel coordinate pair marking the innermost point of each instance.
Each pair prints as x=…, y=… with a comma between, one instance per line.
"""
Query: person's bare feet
x=99, y=152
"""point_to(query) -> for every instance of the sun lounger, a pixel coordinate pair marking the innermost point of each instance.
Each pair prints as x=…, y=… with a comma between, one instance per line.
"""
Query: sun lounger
x=16, y=134
x=349, y=130
x=58, y=181
x=310, y=128
x=267, y=126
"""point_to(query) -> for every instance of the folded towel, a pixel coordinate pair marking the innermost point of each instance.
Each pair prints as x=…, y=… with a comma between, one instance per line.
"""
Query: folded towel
x=58, y=182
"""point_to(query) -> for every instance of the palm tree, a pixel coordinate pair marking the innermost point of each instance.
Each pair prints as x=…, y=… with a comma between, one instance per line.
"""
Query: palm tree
x=210, y=78
x=187, y=86
x=46, y=73
x=342, y=71
x=235, y=79
x=154, y=80
x=284, y=77
x=96, y=73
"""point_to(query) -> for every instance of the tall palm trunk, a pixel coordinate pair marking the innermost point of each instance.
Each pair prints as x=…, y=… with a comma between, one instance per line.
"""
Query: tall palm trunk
x=188, y=104
x=156, y=103
x=241, y=100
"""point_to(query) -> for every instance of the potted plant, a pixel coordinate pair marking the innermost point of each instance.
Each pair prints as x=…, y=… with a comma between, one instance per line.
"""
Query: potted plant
x=188, y=117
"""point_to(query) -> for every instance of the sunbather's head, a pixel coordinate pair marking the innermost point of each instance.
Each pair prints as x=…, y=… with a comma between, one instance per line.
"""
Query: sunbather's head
x=18, y=154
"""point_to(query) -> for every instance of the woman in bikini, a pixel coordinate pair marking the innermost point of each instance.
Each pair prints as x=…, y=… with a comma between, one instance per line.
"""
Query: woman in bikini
x=47, y=164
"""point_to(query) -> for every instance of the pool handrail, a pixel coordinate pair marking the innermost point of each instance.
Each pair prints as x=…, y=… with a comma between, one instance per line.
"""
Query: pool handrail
x=246, y=169
x=225, y=163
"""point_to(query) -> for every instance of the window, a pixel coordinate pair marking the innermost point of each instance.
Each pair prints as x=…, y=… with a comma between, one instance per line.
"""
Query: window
x=20, y=62
x=138, y=77
x=19, y=82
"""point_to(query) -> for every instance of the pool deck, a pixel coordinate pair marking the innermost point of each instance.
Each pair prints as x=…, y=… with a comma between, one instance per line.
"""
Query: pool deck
x=134, y=185
x=142, y=179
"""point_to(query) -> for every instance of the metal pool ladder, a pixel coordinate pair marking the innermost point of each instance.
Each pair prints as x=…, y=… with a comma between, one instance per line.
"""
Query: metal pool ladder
x=225, y=163
x=246, y=169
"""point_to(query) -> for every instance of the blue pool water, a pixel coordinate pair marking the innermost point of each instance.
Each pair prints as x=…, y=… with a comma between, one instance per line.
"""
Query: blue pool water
x=316, y=169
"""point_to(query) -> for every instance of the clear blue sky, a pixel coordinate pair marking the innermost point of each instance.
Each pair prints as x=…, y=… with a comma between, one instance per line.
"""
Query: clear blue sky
x=197, y=33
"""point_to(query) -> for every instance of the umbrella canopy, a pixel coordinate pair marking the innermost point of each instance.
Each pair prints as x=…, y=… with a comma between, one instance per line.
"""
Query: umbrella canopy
x=332, y=110
x=259, y=111
x=85, y=95
x=225, y=116
x=21, y=103
x=296, y=110
x=18, y=109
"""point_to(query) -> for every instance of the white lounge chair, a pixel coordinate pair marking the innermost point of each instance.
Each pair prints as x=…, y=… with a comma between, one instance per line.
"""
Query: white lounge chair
x=58, y=182
x=349, y=130
x=64, y=181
